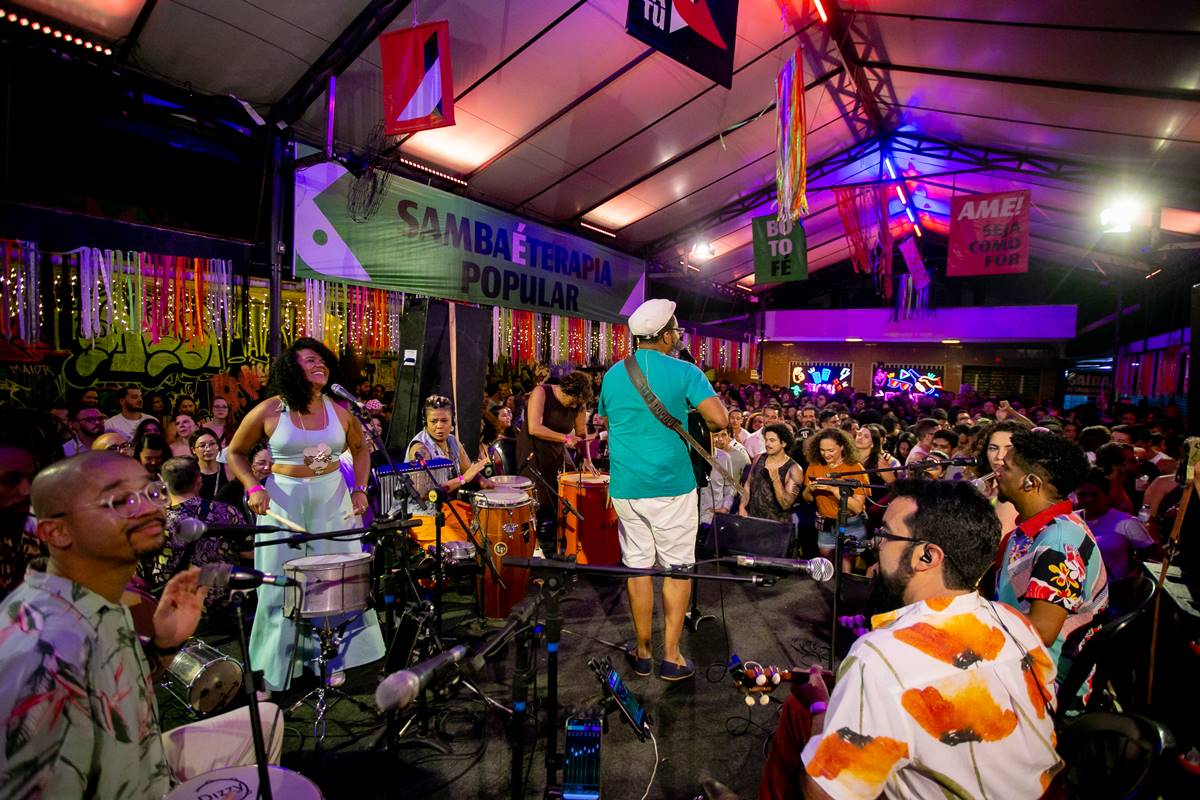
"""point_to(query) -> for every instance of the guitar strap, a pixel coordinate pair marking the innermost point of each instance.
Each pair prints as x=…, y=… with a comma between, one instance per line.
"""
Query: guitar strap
x=638, y=379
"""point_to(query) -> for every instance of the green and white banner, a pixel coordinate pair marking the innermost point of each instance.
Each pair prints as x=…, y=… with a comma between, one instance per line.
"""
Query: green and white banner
x=780, y=251
x=434, y=243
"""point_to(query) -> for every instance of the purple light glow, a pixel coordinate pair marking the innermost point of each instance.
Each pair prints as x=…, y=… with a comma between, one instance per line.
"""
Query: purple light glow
x=968, y=324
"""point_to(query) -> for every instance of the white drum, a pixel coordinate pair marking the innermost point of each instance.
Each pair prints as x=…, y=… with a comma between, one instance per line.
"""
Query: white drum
x=202, y=677
x=241, y=783
x=328, y=585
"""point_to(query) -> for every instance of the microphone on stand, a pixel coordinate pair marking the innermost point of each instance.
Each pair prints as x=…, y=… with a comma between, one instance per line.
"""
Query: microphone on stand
x=191, y=529
x=227, y=576
x=819, y=569
x=400, y=689
x=342, y=392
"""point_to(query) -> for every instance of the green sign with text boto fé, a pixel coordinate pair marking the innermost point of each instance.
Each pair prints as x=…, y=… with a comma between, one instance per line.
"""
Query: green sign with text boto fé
x=780, y=251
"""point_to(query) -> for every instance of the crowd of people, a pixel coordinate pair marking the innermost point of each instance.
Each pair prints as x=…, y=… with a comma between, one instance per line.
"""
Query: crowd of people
x=964, y=500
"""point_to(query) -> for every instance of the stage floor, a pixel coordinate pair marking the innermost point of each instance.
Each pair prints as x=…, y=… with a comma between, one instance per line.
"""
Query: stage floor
x=702, y=725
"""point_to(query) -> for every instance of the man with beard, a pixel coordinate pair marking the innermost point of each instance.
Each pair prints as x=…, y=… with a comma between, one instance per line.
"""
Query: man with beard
x=76, y=687
x=18, y=545
x=944, y=671
x=1051, y=568
x=129, y=400
x=87, y=424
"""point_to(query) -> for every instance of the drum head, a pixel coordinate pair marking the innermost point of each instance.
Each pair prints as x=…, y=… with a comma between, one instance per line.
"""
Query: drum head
x=514, y=482
x=501, y=498
x=241, y=783
x=322, y=562
x=584, y=478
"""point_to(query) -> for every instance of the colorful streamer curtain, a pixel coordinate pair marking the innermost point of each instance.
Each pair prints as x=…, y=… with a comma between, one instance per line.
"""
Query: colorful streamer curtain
x=864, y=214
x=20, y=290
x=791, y=140
x=526, y=337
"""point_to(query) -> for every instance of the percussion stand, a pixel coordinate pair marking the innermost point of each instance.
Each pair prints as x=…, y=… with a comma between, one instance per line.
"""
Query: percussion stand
x=250, y=682
x=692, y=618
x=564, y=508
x=438, y=495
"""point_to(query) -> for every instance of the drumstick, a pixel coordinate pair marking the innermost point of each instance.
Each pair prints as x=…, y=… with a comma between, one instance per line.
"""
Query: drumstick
x=284, y=521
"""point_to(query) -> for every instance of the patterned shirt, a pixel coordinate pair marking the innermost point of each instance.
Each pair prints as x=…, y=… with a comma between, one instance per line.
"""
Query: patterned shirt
x=76, y=697
x=177, y=555
x=17, y=548
x=950, y=697
x=1052, y=556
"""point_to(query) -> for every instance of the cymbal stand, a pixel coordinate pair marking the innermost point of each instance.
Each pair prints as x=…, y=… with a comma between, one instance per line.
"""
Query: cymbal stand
x=250, y=684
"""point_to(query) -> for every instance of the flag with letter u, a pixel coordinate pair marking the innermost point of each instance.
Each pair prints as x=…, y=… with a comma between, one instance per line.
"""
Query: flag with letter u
x=418, y=89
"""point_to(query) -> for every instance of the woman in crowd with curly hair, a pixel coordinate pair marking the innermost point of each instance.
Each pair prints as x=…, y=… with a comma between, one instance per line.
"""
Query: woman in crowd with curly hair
x=555, y=419
x=306, y=433
x=831, y=452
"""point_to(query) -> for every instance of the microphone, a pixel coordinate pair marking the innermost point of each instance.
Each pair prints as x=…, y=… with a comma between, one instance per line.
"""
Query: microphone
x=227, y=576
x=929, y=463
x=398, y=690
x=341, y=391
x=819, y=569
x=191, y=529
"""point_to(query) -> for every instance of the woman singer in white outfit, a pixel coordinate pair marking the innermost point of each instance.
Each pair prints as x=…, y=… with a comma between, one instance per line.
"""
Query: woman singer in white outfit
x=306, y=433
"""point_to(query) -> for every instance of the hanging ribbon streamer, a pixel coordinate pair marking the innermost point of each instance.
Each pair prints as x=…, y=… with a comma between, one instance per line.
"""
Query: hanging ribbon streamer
x=791, y=140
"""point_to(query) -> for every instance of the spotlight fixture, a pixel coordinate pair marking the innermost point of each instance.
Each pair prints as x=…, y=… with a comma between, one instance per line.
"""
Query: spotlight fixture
x=702, y=251
x=1120, y=216
x=951, y=341
x=853, y=339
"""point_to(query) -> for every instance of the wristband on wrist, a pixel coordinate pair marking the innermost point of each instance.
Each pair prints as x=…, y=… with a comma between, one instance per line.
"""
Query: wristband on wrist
x=818, y=707
x=253, y=489
x=154, y=651
x=362, y=489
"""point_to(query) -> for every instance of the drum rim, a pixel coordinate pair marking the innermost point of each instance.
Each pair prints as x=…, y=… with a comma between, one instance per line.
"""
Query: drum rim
x=342, y=560
x=512, y=499
x=577, y=478
x=248, y=769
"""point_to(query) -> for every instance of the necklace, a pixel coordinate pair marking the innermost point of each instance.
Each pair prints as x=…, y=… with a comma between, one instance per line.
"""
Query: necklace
x=320, y=458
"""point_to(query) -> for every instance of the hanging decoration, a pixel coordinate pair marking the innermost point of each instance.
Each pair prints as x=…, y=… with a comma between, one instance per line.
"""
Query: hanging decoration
x=864, y=214
x=791, y=139
x=21, y=290
x=912, y=301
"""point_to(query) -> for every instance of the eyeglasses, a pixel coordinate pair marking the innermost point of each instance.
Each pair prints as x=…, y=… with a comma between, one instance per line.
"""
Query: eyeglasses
x=123, y=447
x=127, y=505
x=885, y=534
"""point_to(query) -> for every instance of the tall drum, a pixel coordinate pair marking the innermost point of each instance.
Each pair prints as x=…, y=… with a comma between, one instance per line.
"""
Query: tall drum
x=327, y=585
x=506, y=521
x=595, y=540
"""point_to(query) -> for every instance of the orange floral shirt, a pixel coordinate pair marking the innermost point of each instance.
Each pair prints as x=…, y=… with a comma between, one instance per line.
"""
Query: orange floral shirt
x=948, y=697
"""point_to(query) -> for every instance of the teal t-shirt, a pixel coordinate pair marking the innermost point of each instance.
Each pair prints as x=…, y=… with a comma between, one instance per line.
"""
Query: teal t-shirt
x=648, y=459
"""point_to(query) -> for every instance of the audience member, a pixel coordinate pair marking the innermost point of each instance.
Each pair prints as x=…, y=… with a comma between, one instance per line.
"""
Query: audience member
x=1118, y=534
x=129, y=400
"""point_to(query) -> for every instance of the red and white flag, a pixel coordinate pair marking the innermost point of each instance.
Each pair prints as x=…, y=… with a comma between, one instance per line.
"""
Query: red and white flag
x=418, y=89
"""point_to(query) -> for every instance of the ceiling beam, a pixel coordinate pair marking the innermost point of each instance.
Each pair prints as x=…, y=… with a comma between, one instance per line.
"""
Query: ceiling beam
x=135, y=31
x=839, y=28
x=1153, y=93
x=1050, y=26
x=346, y=47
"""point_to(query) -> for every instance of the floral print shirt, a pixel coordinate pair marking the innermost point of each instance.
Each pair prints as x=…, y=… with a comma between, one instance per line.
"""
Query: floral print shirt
x=950, y=697
x=1052, y=556
x=76, y=697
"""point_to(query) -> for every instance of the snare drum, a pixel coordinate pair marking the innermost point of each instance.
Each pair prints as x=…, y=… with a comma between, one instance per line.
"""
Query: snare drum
x=241, y=783
x=456, y=554
x=202, y=677
x=338, y=583
x=595, y=540
x=506, y=520
x=516, y=483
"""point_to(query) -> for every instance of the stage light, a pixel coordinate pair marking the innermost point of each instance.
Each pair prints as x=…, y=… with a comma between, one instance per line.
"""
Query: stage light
x=917, y=230
x=108, y=51
x=911, y=218
x=432, y=171
x=24, y=22
x=951, y=341
x=591, y=227
x=37, y=26
x=887, y=162
x=821, y=11
x=900, y=194
x=853, y=339
x=58, y=34
x=702, y=251
x=1152, y=274
x=12, y=17
x=1120, y=216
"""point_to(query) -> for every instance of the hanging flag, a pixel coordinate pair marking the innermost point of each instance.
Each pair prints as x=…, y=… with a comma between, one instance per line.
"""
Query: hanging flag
x=790, y=136
x=989, y=234
x=699, y=34
x=780, y=250
x=418, y=90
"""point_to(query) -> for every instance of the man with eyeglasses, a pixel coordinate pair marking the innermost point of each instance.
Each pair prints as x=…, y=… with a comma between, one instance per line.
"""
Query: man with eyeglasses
x=948, y=689
x=76, y=690
x=86, y=425
x=114, y=442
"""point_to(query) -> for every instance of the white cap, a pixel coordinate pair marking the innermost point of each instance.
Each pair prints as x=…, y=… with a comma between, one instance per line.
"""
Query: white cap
x=651, y=317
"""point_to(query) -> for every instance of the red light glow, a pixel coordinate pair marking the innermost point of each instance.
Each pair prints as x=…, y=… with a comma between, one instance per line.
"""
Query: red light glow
x=821, y=11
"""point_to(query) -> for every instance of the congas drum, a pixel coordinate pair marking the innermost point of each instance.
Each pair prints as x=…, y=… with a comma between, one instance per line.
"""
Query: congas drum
x=595, y=540
x=516, y=483
x=241, y=783
x=507, y=523
x=202, y=677
x=425, y=534
x=328, y=585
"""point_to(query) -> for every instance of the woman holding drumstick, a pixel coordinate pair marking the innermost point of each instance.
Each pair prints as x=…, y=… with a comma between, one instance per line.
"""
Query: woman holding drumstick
x=306, y=434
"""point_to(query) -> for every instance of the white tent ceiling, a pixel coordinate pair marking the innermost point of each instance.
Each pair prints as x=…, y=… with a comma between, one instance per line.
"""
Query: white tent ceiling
x=563, y=116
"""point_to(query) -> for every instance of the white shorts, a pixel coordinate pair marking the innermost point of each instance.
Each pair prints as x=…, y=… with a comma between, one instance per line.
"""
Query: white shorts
x=658, y=530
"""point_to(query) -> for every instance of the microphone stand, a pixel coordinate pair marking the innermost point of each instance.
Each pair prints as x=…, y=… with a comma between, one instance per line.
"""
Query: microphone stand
x=250, y=682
